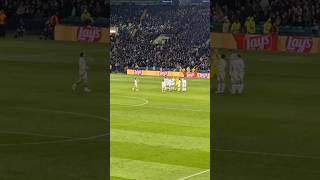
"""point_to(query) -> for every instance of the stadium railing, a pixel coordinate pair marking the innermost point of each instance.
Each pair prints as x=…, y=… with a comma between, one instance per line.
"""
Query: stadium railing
x=121, y=68
x=142, y=2
x=283, y=30
x=76, y=21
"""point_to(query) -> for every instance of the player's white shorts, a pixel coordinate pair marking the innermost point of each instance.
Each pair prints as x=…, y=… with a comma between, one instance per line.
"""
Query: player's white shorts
x=237, y=77
x=184, y=88
x=221, y=77
x=83, y=76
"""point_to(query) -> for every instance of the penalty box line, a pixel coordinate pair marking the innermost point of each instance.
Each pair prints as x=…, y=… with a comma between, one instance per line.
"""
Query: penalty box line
x=193, y=175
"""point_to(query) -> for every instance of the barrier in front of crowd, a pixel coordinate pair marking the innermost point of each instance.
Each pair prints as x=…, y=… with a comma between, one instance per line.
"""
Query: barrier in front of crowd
x=283, y=30
x=266, y=42
x=169, y=74
x=81, y=34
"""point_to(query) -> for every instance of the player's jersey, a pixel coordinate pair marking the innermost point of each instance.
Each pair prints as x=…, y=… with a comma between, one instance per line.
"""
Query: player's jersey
x=82, y=65
x=179, y=83
x=135, y=83
x=166, y=82
x=236, y=64
x=163, y=85
x=184, y=83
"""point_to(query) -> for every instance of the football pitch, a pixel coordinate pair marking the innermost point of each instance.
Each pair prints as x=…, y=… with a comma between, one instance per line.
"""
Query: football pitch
x=159, y=136
x=271, y=132
x=47, y=131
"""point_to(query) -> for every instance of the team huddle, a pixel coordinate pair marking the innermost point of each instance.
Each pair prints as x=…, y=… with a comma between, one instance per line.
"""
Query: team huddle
x=236, y=73
x=167, y=85
x=173, y=84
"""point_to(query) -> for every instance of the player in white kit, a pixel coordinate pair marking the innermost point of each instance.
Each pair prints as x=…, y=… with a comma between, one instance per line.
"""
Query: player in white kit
x=135, y=84
x=221, y=74
x=237, y=70
x=166, y=83
x=163, y=86
x=172, y=84
x=83, y=74
x=184, y=85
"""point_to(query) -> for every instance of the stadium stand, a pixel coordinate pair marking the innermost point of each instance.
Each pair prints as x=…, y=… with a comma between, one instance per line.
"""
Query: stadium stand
x=160, y=37
x=294, y=17
x=141, y=2
x=35, y=13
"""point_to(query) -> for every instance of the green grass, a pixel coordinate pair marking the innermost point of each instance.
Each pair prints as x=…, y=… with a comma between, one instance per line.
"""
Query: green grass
x=159, y=136
x=271, y=132
x=40, y=117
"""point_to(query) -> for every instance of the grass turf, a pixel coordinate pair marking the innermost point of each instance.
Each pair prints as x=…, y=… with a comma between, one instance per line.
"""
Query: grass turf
x=159, y=136
x=40, y=116
x=271, y=132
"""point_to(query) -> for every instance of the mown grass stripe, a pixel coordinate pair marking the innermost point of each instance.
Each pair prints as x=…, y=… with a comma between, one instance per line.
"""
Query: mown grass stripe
x=156, y=139
x=182, y=157
x=143, y=170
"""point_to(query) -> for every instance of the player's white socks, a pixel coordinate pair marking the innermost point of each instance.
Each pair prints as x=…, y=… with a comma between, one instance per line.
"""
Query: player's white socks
x=86, y=89
x=74, y=87
x=221, y=87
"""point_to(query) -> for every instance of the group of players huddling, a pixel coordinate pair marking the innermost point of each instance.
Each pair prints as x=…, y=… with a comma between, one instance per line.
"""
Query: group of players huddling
x=167, y=85
x=174, y=84
x=236, y=73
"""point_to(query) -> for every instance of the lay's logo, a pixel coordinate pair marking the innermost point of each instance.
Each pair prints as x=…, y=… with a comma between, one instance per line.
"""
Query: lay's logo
x=137, y=72
x=163, y=73
x=89, y=34
x=258, y=42
x=299, y=44
x=203, y=75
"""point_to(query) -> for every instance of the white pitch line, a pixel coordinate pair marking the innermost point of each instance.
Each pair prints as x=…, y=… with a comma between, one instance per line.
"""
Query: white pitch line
x=32, y=134
x=61, y=112
x=268, y=154
x=66, y=139
x=55, y=141
x=145, y=101
x=182, y=109
x=196, y=174
x=157, y=107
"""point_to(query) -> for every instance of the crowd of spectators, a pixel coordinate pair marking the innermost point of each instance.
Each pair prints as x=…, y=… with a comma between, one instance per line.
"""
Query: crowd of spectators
x=167, y=37
x=46, y=14
x=45, y=8
x=281, y=12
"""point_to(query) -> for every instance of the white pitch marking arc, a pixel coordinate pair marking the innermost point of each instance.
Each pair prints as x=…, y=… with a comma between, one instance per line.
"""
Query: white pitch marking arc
x=152, y=106
x=268, y=154
x=65, y=138
x=61, y=112
x=145, y=101
x=193, y=175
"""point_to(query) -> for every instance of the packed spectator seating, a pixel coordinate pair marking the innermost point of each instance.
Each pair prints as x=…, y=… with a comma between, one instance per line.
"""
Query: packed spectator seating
x=290, y=13
x=41, y=16
x=64, y=8
x=182, y=31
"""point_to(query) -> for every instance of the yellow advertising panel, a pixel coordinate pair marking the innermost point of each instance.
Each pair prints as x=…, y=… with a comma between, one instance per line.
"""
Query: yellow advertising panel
x=168, y=74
